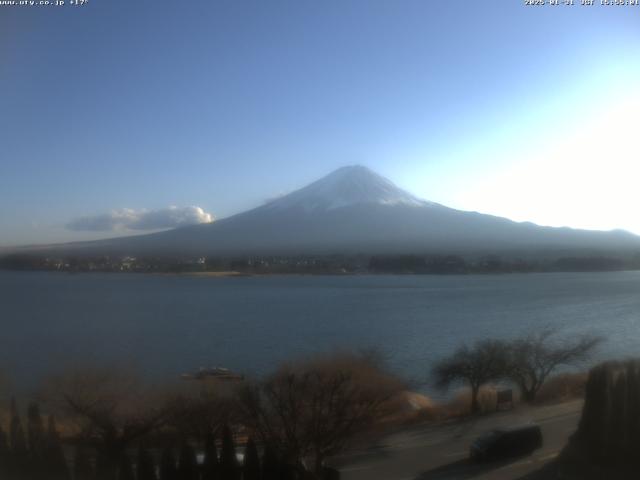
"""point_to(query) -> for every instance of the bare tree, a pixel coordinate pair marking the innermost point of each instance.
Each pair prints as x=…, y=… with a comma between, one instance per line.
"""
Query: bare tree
x=534, y=357
x=110, y=408
x=312, y=410
x=201, y=408
x=475, y=366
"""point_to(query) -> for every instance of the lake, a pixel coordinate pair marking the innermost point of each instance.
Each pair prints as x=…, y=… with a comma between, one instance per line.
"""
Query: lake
x=166, y=325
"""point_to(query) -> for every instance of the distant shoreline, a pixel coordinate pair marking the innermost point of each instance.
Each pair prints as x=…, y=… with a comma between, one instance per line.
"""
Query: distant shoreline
x=237, y=274
x=230, y=273
x=337, y=264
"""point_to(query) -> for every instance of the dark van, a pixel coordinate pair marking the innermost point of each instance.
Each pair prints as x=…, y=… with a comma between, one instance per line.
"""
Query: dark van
x=507, y=442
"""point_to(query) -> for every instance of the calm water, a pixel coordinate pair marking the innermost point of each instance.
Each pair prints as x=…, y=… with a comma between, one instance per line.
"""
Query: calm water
x=167, y=325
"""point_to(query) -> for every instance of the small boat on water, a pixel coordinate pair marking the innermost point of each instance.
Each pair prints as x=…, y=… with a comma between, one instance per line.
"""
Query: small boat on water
x=213, y=373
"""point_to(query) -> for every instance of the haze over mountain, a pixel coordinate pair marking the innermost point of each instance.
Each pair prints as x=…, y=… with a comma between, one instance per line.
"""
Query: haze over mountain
x=354, y=210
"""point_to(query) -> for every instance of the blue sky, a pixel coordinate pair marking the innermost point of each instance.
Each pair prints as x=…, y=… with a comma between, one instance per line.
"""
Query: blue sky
x=135, y=106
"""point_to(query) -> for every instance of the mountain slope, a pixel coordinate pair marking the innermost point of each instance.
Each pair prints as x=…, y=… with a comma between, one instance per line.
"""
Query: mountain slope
x=354, y=210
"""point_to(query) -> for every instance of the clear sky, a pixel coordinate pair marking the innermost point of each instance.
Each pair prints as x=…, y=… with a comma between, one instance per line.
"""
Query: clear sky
x=112, y=112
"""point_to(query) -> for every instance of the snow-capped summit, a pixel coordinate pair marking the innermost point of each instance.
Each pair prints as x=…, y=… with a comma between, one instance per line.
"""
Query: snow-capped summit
x=347, y=186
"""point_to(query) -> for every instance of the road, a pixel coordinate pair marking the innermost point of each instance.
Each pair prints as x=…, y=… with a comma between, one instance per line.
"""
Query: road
x=440, y=452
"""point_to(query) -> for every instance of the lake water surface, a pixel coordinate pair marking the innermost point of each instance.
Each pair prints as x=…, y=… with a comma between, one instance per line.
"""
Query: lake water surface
x=167, y=325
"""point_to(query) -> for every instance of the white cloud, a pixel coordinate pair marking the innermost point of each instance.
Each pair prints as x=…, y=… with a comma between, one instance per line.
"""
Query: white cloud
x=130, y=219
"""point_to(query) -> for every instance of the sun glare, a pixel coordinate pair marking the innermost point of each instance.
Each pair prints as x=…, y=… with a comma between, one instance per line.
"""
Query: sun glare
x=585, y=177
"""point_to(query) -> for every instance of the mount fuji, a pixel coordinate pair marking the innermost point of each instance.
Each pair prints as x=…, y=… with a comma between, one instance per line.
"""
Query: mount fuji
x=354, y=210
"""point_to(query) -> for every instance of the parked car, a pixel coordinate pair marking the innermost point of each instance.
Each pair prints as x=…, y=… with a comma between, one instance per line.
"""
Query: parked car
x=507, y=442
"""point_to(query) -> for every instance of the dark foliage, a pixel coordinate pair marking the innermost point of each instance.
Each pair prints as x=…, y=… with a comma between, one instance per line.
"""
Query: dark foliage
x=90, y=464
x=187, y=463
x=229, y=469
x=106, y=468
x=210, y=468
x=54, y=461
x=145, y=468
x=251, y=464
x=19, y=461
x=606, y=443
x=82, y=467
x=125, y=469
x=5, y=454
x=270, y=464
x=18, y=439
x=36, y=433
x=168, y=469
x=113, y=409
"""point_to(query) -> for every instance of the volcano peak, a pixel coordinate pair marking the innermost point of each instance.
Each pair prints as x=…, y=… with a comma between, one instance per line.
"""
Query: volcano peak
x=347, y=186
